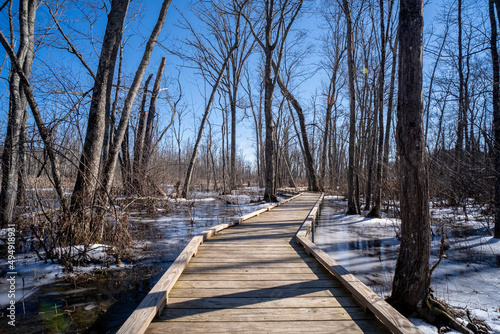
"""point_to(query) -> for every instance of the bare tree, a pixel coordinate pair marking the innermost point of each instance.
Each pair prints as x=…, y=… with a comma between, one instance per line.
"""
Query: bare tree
x=11, y=156
x=110, y=165
x=412, y=278
x=257, y=119
x=148, y=134
x=308, y=157
x=277, y=18
x=205, y=56
x=88, y=172
x=138, y=173
x=496, y=107
x=375, y=212
x=231, y=82
x=351, y=204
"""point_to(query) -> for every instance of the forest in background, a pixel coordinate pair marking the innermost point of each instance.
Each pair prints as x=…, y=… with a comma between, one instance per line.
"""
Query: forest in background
x=80, y=122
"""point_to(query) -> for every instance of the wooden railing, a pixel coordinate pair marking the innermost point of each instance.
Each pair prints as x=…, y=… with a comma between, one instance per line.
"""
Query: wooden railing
x=365, y=297
x=156, y=300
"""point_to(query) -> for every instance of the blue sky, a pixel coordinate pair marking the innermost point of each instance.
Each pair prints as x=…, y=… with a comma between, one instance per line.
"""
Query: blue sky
x=193, y=85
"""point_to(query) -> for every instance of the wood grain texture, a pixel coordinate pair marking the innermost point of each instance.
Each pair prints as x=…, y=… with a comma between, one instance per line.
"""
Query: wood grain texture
x=263, y=302
x=257, y=277
x=285, y=327
x=155, y=300
x=389, y=316
x=263, y=314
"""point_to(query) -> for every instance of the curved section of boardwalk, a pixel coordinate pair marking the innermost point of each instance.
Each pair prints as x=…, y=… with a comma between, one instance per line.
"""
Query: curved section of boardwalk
x=254, y=278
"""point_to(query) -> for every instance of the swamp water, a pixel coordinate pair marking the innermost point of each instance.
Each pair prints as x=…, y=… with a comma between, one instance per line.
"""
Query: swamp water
x=467, y=278
x=101, y=297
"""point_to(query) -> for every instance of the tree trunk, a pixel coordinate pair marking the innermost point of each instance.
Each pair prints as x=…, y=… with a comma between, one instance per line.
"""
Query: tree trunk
x=126, y=165
x=269, y=84
x=496, y=109
x=262, y=159
x=411, y=277
x=371, y=151
x=189, y=174
x=375, y=212
x=388, y=123
x=351, y=204
x=309, y=160
x=110, y=165
x=22, y=198
x=461, y=114
x=88, y=172
x=148, y=135
x=138, y=173
x=17, y=109
x=329, y=106
x=232, y=98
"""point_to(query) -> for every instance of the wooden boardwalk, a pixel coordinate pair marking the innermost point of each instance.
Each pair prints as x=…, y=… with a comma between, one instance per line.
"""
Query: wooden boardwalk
x=255, y=278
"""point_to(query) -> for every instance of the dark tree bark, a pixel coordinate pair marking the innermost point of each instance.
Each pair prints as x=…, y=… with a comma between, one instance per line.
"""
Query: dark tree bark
x=461, y=111
x=88, y=172
x=351, y=203
x=411, y=277
x=269, y=84
x=22, y=197
x=496, y=108
x=126, y=165
x=328, y=120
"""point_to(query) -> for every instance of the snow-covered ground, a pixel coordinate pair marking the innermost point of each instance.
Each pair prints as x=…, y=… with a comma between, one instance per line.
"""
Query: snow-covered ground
x=467, y=279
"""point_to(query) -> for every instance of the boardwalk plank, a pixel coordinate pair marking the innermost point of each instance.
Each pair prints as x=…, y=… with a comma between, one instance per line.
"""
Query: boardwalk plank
x=275, y=293
x=275, y=314
x=319, y=283
x=264, y=302
x=289, y=327
x=254, y=278
x=252, y=270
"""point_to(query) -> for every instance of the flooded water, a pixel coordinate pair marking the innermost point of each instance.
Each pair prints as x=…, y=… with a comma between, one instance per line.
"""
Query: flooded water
x=369, y=251
x=369, y=248
x=100, y=299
